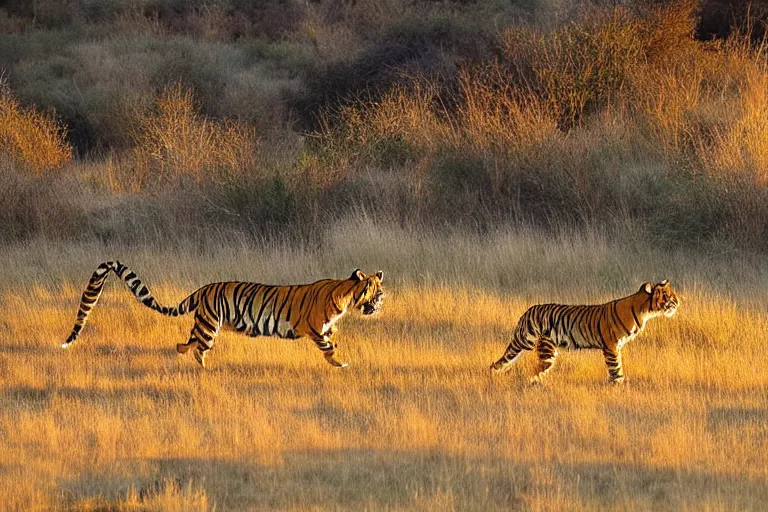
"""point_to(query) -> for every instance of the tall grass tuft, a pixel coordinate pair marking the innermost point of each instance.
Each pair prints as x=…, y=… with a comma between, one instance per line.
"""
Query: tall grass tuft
x=175, y=141
x=33, y=139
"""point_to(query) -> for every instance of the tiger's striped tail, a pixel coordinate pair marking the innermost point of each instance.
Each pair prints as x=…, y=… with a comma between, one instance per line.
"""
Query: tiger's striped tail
x=96, y=286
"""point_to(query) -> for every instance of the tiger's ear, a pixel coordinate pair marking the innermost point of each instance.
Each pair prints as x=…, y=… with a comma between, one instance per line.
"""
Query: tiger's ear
x=380, y=274
x=664, y=282
x=646, y=287
x=357, y=275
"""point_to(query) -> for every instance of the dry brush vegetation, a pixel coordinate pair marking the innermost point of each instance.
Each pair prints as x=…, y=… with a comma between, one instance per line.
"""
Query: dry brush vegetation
x=583, y=114
x=566, y=152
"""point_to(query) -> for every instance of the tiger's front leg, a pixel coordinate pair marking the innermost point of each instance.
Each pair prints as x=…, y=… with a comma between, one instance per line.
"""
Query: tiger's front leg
x=615, y=368
x=328, y=349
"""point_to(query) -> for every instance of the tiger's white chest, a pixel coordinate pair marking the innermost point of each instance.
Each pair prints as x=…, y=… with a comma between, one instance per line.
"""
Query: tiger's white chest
x=623, y=341
x=327, y=325
x=632, y=335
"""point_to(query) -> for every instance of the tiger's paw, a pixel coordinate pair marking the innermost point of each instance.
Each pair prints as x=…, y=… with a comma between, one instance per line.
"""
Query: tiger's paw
x=500, y=367
x=200, y=357
x=618, y=381
x=333, y=362
x=65, y=346
x=183, y=348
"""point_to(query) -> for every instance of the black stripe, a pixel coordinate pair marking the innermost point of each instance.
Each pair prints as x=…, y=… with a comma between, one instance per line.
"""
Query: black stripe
x=601, y=315
x=582, y=315
x=365, y=288
x=560, y=319
x=313, y=331
x=205, y=322
x=587, y=322
x=208, y=300
x=301, y=305
x=248, y=306
x=237, y=297
x=267, y=297
x=227, y=316
x=272, y=308
x=197, y=331
x=289, y=301
x=634, y=315
x=618, y=319
x=530, y=321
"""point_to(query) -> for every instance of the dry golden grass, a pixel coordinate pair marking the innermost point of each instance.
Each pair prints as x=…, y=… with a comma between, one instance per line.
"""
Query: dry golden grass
x=120, y=422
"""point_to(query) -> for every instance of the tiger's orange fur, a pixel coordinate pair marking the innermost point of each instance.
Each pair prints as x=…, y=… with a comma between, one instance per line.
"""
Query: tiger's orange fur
x=547, y=327
x=294, y=311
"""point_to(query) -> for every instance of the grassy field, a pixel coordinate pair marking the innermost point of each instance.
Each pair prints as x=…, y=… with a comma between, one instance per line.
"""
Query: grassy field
x=563, y=152
x=120, y=422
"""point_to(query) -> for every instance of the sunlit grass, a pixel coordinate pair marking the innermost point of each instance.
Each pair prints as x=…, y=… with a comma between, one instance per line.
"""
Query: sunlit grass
x=120, y=421
x=33, y=139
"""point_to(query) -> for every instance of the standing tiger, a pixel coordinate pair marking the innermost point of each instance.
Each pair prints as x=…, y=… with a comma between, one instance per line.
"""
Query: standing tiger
x=607, y=327
x=254, y=309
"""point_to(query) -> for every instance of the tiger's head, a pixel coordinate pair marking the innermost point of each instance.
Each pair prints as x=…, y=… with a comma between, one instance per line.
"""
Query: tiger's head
x=368, y=293
x=663, y=298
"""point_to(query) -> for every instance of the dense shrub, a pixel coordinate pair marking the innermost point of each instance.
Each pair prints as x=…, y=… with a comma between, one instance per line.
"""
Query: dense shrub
x=417, y=43
x=444, y=113
x=616, y=116
x=32, y=139
x=32, y=205
x=174, y=141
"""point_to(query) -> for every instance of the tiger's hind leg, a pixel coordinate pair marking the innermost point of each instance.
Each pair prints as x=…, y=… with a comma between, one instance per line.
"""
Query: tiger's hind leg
x=183, y=348
x=200, y=339
x=504, y=364
x=200, y=348
x=546, y=352
x=521, y=340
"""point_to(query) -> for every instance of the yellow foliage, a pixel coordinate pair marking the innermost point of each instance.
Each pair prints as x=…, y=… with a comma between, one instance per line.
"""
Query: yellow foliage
x=175, y=140
x=33, y=139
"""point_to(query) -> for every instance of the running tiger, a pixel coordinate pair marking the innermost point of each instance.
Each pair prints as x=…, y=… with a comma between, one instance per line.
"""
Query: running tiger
x=608, y=327
x=254, y=309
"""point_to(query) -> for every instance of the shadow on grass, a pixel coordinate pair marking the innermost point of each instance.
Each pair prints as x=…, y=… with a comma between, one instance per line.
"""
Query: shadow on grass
x=87, y=349
x=33, y=398
x=739, y=418
x=376, y=479
x=32, y=350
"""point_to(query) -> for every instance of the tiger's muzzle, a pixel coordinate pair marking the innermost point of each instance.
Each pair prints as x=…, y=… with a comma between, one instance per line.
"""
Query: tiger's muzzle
x=670, y=308
x=372, y=306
